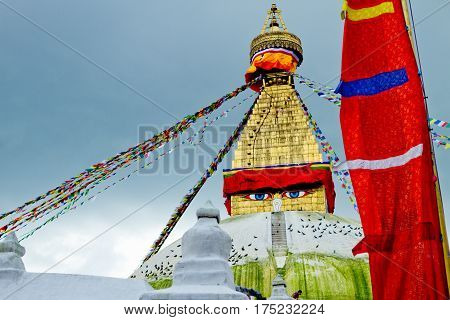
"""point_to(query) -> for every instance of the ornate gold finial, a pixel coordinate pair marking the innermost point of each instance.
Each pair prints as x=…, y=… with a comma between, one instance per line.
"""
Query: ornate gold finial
x=274, y=34
x=275, y=18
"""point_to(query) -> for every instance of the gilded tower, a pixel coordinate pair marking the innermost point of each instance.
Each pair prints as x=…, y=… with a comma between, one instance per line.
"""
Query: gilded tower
x=279, y=192
x=277, y=134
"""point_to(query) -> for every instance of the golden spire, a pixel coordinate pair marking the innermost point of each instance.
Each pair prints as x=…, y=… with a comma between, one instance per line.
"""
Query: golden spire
x=274, y=34
x=275, y=18
x=277, y=133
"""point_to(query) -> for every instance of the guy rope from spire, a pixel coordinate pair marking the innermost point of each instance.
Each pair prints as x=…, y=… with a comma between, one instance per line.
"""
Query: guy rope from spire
x=187, y=199
x=70, y=191
x=328, y=93
x=85, y=199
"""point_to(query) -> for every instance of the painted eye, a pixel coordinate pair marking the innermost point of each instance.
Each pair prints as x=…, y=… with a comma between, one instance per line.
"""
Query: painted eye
x=294, y=194
x=258, y=196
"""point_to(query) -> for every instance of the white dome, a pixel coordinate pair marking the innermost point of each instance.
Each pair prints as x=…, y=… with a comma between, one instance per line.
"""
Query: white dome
x=314, y=240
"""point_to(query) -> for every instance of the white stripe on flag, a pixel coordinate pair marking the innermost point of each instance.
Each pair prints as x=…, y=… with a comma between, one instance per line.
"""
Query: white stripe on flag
x=275, y=50
x=387, y=163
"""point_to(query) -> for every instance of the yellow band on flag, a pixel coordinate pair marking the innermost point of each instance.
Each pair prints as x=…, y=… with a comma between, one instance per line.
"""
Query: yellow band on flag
x=371, y=12
x=344, y=9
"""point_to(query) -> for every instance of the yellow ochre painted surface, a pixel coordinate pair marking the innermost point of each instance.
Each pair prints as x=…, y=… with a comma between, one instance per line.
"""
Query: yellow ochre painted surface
x=277, y=133
x=315, y=201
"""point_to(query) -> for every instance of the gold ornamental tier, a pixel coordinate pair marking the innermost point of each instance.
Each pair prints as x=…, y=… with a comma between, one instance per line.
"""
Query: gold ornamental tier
x=274, y=34
x=276, y=39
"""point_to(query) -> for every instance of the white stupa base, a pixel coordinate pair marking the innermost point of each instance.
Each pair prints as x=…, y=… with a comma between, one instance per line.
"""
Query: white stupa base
x=54, y=286
x=195, y=292
x=17, y=284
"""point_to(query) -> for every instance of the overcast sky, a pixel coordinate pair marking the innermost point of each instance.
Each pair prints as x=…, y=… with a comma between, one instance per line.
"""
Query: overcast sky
x=64, y=109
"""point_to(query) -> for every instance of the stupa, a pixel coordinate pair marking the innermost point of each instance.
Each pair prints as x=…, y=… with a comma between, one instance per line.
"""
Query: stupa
x=203, y=273
x=279, y=192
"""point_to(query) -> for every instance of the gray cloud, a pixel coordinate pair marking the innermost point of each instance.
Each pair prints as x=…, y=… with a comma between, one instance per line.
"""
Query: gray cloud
x=59, y=114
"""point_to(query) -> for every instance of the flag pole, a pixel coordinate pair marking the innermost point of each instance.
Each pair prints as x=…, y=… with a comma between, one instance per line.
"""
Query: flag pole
x=445, y=246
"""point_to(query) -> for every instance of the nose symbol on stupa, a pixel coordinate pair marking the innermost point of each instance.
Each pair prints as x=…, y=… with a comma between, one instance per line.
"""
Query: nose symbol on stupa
x=276, y=203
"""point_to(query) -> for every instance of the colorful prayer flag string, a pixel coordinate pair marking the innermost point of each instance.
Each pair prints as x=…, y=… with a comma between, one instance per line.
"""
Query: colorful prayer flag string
x=328, y=93
x=440, y=136
x=189, y=140
x=73, y=189
x=321, y=90
x=187, y=199
x=441, y=142
x=439, y=123
x=342, y=175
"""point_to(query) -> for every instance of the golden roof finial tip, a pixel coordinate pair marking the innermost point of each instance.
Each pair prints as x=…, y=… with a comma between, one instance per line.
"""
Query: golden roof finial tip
x=274, y=34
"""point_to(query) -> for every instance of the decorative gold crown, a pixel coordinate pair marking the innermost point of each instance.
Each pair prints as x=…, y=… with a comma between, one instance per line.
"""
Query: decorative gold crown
x=274, y=36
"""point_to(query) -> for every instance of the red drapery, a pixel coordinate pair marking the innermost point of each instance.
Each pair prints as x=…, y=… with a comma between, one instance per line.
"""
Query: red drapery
x=254, y=180
x=386, y=139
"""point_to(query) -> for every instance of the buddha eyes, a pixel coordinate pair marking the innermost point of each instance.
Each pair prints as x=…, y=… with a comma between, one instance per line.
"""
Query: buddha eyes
x=286, y=194
x=294, y=194
x=259, y=196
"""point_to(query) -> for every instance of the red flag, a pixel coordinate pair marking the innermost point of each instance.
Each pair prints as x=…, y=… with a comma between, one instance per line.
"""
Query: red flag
x=386, y=139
